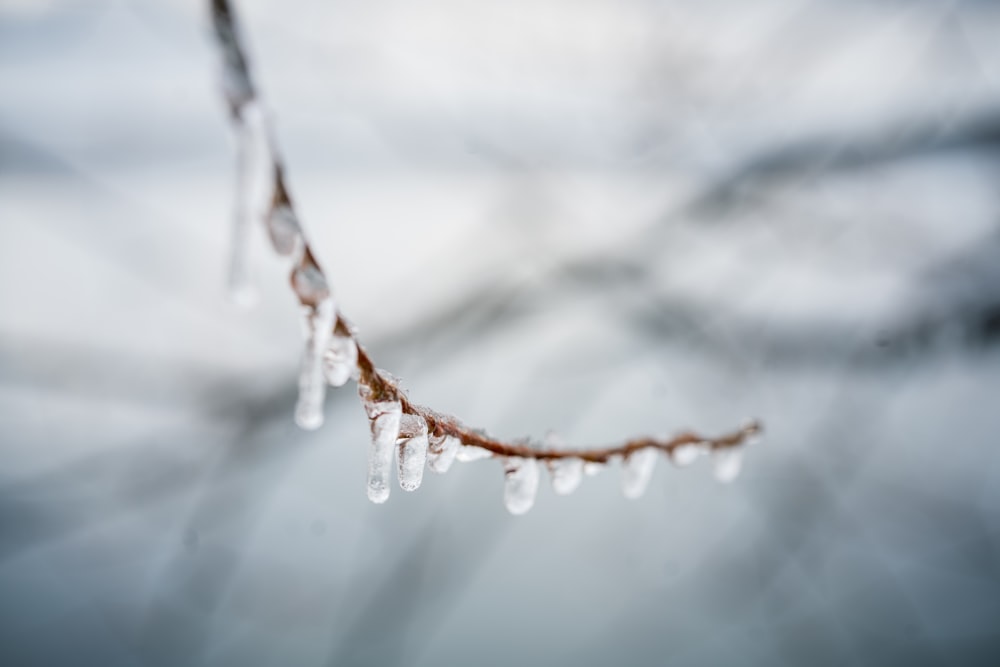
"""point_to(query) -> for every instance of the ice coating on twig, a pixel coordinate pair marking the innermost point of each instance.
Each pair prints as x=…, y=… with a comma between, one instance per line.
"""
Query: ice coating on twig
x=340, y=361
x=312, y=384
x=637, y=470
x=385, y=421
x=566, y=474
x=467, y=453
x=441, y=452
x=520, y=485
x=283, y=229
x=411, y=451
x=727, y=463
x=686, y=454
x=236, y=84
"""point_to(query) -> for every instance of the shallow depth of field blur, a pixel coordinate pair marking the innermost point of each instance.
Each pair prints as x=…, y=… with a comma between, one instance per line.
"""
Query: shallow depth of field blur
x=606, y=218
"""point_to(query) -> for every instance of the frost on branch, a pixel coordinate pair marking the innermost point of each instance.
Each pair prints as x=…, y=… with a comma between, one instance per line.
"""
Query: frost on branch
x=520, y=484
x=412, y=451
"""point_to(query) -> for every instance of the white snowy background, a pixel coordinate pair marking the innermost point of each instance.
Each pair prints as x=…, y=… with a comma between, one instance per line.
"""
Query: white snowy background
x=603, y=217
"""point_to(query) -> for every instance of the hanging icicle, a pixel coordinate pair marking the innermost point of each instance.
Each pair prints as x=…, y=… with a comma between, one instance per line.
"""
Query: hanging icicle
x=411, y=451
x=637, y=470
x=520, y=484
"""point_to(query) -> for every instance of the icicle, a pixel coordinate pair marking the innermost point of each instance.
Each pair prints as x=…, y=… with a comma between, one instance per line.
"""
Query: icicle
x=283, y=229
x=340, y=361
x=467, y=453
x=441, y=452
x=241, y=291
x=521, y=484
x=637, y=469
x=686, y=454
x=593, y=468
x=411, y=451
x=566, y=474
x=385, y=420
x=727, y=462
x=312, y=387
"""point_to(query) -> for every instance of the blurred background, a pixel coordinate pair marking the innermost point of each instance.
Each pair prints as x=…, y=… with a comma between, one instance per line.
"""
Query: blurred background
x=602, y=217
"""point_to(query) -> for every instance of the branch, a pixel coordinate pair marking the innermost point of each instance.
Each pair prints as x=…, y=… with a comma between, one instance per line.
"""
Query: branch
x=417, y=435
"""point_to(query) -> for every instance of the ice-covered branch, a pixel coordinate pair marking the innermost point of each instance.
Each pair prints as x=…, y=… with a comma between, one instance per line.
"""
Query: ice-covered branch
x=414, y=435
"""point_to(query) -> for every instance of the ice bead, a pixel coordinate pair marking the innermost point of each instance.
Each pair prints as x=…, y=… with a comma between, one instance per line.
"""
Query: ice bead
x=385, y=432
x=686, y=454
x=340, y=361
x=467, y=453
x=521, y=484
x=411, y=451
x=566, y=474
x=312, y=386
x=441, y=452
x=727, y=463
x=637, y=470
x=283, y=229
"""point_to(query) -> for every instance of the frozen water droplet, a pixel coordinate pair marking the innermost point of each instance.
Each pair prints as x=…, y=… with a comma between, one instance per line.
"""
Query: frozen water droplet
x=312, y=385
x=340, y=361
x=467, y=453
x=283, y=229
x=411, y=451
x=309, y=282
x=441, y=452
x=686, y=454
x=593, y=468
x=521, y=484
x=566, y=474
x=637, y=470
x=385, y=432
x=727, y=463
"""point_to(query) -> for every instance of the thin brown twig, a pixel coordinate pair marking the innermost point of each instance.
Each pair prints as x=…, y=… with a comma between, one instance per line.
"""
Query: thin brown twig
x=379, y=386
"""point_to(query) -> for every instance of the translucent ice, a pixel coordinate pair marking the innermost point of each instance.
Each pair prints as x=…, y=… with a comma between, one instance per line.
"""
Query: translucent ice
x=312, y=384
x=686, y=454
x=441, y=452
x=283, y=229
x=241, y=290
x=593, y=468
x=727, y=462
x=411, y=451
x=566, y=474
x=385, y=432
x=521, y=484
x=468, y=453
x=309, y=282
x=637, y=470
x=340, y=361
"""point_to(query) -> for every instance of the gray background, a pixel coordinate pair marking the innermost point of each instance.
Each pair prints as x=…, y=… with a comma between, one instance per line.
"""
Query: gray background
x=603, y=217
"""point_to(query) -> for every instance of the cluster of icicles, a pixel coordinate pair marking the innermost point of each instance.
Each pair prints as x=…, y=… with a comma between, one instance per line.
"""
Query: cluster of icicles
x=331, y=355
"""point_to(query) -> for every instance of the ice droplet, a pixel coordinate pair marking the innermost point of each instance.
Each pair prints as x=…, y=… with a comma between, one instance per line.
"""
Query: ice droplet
x=593, y=468
x=340, y=361
x=727, y=463
x=686, y=454
x=411, y=451
x=283, y=229
x=467, y=453
x=309, y=282
x=637, y=469
x=566, y=474
x=521, y=484
x=385, y=432
x=312, y=386
x=441, y=452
